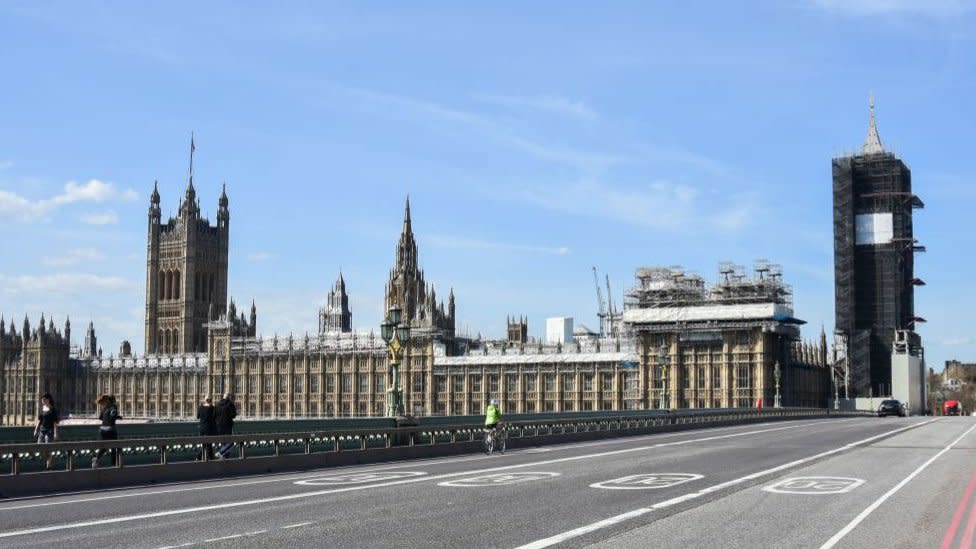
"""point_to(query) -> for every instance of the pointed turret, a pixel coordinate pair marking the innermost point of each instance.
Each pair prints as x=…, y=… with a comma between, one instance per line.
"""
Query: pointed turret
x=223, y=212
x=154, y=198
x=26, y=329
x=91, y=342
x=406, y=217
x=872, y=143
x=41, y=329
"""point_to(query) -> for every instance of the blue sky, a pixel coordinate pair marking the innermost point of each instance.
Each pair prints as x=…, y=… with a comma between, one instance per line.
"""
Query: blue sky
x=535, y=140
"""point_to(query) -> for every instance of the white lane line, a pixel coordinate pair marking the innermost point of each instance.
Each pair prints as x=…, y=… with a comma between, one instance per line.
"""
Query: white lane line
x=559, y=538
x=224, y=538
x=832, y=542
x=305, y=495
x=299, y=525
x=378, y=468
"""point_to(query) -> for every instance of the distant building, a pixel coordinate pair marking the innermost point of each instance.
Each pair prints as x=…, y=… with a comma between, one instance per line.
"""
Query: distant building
x=518, y=330
x=559, y=330
x=874, y=265
x=715, y=347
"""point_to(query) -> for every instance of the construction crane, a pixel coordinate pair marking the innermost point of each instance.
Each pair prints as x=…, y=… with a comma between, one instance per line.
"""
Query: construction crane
x=601, y=308
x=611, y=319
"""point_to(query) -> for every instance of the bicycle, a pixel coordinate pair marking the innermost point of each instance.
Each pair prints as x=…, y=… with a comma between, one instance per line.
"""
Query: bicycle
x=495, y=439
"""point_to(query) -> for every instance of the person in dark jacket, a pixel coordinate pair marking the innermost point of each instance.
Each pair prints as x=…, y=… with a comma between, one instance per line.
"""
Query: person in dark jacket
x=46, y=428
x=208, y=426
x=108, y=413
x=224, y=414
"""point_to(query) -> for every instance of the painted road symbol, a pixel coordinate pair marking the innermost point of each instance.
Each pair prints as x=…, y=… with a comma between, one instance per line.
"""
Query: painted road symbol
x=647, y=482
x=357, y=478
x=499, y=479
x=815, y=485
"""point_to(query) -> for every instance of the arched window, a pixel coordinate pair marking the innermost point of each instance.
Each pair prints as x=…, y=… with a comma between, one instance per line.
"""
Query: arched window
x=176, y=341
x=160, y=341
x=176, y=285
x=162, y=285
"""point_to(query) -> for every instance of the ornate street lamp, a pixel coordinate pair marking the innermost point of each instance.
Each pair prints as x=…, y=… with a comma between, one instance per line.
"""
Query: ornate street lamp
x=665, y=362
x=396, y=334
x=833, y=376
x=777, y=374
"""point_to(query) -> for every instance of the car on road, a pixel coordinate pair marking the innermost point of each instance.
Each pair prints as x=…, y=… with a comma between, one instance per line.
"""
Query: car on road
x=891, y=407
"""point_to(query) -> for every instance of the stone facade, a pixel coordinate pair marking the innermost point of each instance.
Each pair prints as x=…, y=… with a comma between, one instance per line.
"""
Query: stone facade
x=337, y=372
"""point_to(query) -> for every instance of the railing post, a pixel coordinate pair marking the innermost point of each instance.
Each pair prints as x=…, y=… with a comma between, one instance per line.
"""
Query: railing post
x=15, y=464
x=277, y=448
x=163, y=457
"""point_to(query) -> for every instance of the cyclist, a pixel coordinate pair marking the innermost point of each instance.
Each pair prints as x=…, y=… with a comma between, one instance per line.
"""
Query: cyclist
x=492, y=415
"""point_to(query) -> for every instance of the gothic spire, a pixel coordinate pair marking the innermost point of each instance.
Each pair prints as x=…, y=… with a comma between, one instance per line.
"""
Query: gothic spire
x=154, y=199
x=192, y=148
x=406, y=218
x=872, y=143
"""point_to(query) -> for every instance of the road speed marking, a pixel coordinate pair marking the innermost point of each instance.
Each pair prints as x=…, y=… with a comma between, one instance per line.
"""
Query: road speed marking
x=357, y=478
x=655, y=481
x=498, y=479
x=814, y=486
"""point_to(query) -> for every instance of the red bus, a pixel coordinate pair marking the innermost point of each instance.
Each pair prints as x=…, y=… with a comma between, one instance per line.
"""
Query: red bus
x=951, y=408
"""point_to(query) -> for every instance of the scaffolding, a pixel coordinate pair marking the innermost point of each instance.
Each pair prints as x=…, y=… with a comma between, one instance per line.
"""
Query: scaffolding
x=873, y=267
x=670, y=287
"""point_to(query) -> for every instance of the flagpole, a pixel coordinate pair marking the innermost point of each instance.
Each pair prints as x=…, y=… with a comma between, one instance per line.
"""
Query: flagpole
x=192, y=148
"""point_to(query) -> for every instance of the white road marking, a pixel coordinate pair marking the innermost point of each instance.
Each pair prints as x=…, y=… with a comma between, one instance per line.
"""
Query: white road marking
x=291, y=477
x=357, y=478
x=832, y=542
x=815, y=486
x=559, y=538
x=300, y=524
x=647, y=482
x=499, y=479
x=305, y=495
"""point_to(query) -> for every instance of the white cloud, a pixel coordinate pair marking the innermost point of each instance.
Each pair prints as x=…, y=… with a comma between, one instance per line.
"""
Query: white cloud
x=660, y=205
x=62, y=284
x=957, y=341
x=14, y=206
x=105, y=218
x=462, y=242
x=937, y=8
x=74, y=257
x=490, y=128
x=6, y=164
x=259, y=256
x=548, y=103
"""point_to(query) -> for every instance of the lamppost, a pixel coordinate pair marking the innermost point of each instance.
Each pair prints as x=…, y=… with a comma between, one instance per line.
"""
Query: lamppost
x=777, y=373
x=396, y=334
x=833, y=377
x=665, y=362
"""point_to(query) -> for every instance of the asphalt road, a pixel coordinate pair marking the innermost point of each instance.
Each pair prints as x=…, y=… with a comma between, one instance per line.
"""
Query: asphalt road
x=864, y=482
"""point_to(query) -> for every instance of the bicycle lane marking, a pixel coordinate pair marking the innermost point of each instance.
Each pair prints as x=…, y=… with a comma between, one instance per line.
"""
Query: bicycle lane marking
x=611, y=521
x=304, y=495
x=832, y=542
x=950, y=534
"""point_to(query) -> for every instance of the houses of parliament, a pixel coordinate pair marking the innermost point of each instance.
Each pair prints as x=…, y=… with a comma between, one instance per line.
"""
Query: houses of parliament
x=678, y=344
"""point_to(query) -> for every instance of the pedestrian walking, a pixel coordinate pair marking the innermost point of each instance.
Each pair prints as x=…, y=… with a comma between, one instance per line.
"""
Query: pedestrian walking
x=224, y=414
x=108, y=414
x=208, y=426
x=46, y=428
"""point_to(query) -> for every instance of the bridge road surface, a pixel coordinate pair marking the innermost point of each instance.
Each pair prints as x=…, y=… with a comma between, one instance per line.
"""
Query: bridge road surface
x=852, y=482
